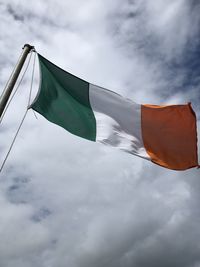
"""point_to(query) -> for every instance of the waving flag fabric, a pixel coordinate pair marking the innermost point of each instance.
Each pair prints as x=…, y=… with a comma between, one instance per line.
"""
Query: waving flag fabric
x=166, y=135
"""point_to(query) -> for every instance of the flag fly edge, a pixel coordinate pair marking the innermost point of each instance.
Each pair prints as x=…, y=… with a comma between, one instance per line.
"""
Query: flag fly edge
x=170, y=135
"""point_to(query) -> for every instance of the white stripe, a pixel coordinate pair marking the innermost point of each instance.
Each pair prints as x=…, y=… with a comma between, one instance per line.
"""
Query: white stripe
x=118, y=121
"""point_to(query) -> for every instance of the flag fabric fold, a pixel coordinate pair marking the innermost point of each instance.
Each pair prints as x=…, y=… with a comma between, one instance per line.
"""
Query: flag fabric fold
x=166, y=135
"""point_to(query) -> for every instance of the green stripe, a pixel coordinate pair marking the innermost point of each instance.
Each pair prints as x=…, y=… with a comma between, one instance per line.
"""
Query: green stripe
x=64, y=100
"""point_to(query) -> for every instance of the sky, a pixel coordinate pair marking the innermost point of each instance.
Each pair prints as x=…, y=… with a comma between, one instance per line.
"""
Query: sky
x=66, y=201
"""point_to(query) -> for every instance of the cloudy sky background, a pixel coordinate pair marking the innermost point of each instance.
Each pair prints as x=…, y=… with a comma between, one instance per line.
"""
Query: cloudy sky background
x=69, y=202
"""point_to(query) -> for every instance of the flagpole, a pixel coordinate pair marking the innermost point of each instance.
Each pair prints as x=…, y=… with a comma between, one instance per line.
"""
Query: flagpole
x=9, y=87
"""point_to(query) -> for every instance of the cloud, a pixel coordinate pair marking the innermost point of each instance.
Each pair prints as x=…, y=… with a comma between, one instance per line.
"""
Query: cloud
x=68, y=201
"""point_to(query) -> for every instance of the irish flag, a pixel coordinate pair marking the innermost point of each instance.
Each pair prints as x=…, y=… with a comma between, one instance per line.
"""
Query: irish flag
x=165, y=135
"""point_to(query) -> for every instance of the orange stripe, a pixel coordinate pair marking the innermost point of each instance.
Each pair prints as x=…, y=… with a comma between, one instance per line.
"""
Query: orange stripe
x=170, y=135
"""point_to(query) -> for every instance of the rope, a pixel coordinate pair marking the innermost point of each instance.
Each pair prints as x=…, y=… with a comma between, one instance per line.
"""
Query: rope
x=29, y=99
x=32, y=77
x=11, y=146
x=22, y=121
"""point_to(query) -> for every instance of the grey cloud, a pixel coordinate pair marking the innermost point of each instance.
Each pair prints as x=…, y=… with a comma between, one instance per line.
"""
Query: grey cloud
x=15, y=15
x=163, y=32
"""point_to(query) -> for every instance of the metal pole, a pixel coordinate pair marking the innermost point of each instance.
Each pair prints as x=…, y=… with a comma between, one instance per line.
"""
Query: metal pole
x=8, y=90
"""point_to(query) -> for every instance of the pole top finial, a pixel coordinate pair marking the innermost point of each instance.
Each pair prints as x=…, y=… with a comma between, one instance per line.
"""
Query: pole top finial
x=30, y=47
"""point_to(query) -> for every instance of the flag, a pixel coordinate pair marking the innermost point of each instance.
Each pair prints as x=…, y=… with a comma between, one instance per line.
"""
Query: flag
x=165, y=135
